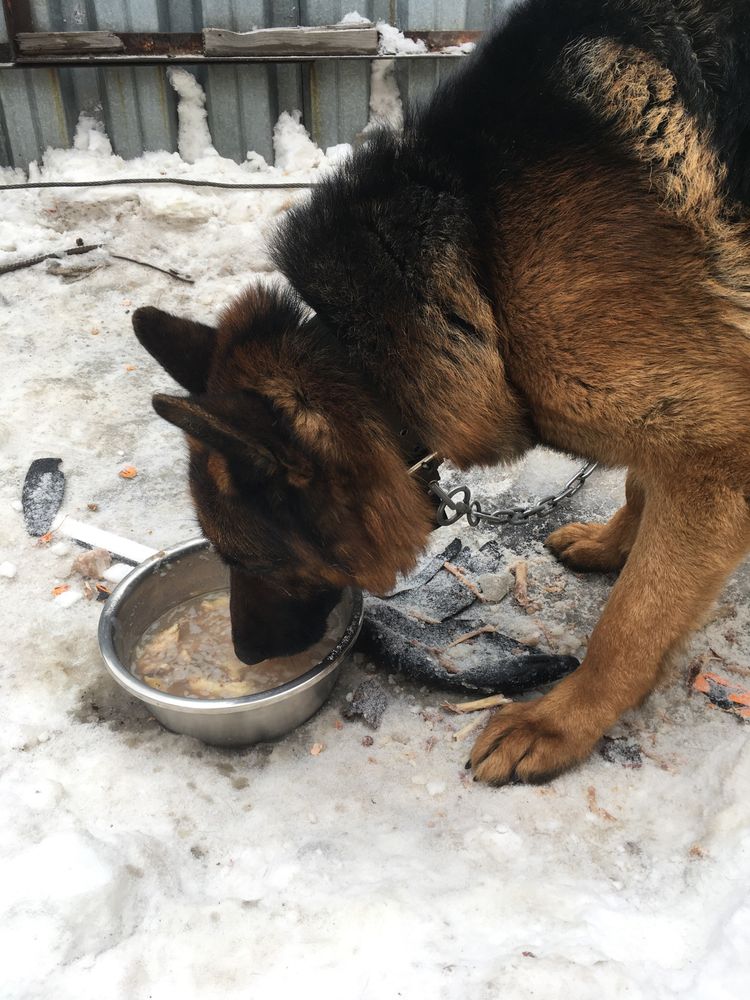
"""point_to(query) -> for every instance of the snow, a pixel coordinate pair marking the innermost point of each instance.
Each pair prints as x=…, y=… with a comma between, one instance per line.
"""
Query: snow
x=292, y=145
x=193, y=139
x=386, y=107
x=354, y=17
x=394, y=43
x=137, y=863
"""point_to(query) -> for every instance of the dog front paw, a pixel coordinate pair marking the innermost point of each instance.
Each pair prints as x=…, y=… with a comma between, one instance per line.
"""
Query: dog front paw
x=529, y=742
x=585, y=547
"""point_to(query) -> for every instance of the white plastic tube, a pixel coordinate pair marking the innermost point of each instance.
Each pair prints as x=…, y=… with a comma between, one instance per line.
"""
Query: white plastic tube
x=97, y=538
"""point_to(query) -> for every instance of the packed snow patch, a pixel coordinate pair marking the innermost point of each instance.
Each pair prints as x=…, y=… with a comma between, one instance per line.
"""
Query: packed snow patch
x=194, y=139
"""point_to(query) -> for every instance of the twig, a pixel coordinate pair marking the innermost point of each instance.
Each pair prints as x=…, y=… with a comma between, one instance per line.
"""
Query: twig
x=461, y=577
x=461, y=708
x=155, y=267
x=596, y=809
x=521, y=591
x=484, y=630
x=417, y=616
x=468, y=728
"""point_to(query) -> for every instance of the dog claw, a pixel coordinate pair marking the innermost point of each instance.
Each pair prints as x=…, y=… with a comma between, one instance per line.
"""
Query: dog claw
x=467, y=765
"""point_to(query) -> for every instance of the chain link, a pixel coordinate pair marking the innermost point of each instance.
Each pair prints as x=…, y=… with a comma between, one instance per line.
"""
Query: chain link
x=460, y=504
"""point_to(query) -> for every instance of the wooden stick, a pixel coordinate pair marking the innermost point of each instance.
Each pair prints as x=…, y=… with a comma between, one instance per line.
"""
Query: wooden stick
x=468, y=728
x=461, y=708
x=521, y=592
x=177, y=275
x=484, y=630
x=461, y=577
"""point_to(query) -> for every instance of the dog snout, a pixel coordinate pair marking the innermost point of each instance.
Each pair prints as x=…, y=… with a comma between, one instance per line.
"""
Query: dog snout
x=268, y=624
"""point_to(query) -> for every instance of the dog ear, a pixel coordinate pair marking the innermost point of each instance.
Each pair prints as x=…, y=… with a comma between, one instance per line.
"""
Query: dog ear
x=182, y=347
x=255, y=442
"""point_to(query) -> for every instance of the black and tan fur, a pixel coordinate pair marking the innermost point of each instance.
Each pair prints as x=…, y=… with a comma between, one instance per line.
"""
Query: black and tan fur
x=556, y=251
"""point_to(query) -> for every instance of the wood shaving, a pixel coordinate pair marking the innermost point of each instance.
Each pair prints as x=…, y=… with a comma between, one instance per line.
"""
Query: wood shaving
x=316, y=749
x=596, y=809
x=476, y=706
x=464, y=581
x=129, y=472
x=61, y=589
x=468, y=728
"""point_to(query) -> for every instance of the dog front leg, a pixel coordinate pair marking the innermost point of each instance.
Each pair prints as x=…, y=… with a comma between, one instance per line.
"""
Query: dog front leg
x=686, y=545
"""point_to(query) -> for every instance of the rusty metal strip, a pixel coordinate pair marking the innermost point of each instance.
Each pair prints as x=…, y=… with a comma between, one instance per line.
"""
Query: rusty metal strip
x=436, y=41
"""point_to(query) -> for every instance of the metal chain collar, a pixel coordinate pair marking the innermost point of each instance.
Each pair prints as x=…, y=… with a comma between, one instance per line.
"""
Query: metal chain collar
x=458, y=502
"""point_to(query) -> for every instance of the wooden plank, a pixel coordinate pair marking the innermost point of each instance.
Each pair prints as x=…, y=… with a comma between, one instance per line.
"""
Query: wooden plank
x=48, y=42
x=291, y=41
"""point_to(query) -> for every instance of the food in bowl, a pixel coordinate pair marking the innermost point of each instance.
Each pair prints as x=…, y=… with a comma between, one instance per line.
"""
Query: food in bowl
x=188, y=651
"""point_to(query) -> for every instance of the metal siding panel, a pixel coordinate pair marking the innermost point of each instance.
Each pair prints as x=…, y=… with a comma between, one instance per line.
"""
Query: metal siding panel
x=111, y=15
x=450, y=15
x=81, y=92
x=17, y=100
x=143, y=15
x=6, y=157
x=256, y=109
x=157, y=108
x=339, y=91
x=244, y=102
x=249, y=14
x=284, y=13
x=73, y=15
x=290, y=87
x=218, y=14
x=383, y=10
x=222, y=105
x=42, y=17
x=256, y=100
x=182, y=15
x=477, y=14
x=421, y=14
x=339, y=100
x=121, y=111
x=53, y=128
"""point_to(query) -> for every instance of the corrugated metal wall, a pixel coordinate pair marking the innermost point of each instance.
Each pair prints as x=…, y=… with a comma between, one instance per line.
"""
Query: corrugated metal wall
x=40, y=107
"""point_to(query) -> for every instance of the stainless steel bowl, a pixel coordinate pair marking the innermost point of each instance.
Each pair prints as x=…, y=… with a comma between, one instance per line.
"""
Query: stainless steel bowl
x=174, y=576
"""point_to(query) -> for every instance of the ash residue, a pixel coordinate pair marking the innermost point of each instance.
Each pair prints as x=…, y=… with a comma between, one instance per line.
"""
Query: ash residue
x=621, y=751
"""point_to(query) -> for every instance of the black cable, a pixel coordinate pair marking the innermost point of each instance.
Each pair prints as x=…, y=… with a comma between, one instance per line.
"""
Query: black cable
x=157, y=180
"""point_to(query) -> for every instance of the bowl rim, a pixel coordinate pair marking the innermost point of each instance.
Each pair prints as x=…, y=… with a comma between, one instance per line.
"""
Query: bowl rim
x=214, y=706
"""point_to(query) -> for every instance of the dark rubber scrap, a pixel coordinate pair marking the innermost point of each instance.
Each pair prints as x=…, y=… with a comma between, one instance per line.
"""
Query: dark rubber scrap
x=42, y=495
x=491, y=662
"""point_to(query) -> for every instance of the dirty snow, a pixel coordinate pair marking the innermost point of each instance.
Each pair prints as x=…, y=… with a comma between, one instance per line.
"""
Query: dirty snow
x=394, y=43
x=359, y=863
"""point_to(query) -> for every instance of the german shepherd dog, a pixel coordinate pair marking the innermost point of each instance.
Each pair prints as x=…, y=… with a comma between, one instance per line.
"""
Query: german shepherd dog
x=555, y=251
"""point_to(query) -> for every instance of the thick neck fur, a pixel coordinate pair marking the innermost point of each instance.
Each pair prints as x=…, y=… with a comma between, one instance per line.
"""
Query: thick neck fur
x=387, y=255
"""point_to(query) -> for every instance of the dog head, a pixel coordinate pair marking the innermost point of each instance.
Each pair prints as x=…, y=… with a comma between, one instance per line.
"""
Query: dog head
x=295, y=478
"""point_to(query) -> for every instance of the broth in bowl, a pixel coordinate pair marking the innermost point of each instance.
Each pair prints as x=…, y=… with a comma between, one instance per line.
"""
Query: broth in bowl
x=188, y=652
